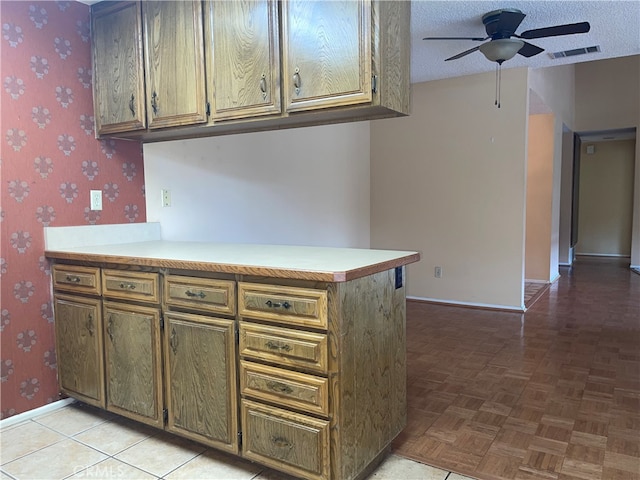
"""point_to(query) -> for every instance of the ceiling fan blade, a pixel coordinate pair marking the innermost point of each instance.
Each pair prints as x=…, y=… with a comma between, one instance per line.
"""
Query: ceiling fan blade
x=508, y=22
x=568, y=29
x=529, y=50
x=460, y=55
x=475, y=39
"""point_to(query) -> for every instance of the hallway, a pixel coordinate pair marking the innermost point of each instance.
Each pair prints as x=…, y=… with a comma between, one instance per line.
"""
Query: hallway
x=550, y=394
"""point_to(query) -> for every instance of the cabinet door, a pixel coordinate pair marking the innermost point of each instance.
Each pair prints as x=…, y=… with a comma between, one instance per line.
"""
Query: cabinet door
x=79, y=348
x=118, y=75
x=200, y=375
x=132, y=357
x=244, y=58
x=174, y=63
x=327, y=53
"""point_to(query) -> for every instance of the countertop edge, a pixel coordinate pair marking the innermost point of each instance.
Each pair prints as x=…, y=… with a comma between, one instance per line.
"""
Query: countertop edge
x=275, y=272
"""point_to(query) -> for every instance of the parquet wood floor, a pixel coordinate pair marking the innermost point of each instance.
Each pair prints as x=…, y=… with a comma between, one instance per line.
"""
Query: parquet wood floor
x=533, y=291
x=550, y=394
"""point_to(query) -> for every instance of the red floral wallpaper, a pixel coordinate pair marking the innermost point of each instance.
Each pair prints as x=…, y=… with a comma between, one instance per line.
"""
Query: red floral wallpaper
x=50, y=161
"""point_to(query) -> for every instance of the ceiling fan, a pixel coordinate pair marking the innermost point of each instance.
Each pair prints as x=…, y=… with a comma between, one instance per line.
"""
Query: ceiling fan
x=501, y=26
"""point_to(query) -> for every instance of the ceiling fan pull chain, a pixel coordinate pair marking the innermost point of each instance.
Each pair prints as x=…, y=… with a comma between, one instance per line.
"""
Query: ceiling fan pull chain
x=496, y=102
x=499, y=83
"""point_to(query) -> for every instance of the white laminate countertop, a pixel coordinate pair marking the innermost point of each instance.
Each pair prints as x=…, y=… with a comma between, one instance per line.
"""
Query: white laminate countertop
x=283, y=261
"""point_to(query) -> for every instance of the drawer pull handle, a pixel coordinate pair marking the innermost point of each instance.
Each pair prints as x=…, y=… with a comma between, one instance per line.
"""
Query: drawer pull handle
x=285, y=304
x=276, y=346
x=281, y=442
x=173, y=341
x=279, y=387
x=73, y=278
x=90, y=326
x=189, y=293
x=128, y=286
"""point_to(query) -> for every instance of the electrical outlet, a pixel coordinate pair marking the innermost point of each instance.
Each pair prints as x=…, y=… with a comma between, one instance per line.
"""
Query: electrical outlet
x=96, y=199
x=166, y=197
x=437, y=272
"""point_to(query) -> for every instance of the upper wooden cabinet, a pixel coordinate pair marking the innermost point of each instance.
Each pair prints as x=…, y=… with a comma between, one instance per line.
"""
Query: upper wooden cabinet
x=327, y=53
x=118, y=74
x=243, y=58
x=174, y=63
x=214, y=67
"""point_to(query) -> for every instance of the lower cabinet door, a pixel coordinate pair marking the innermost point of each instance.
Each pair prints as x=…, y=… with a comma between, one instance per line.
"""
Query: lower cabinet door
x=133, y=365
x=79, y=348
x=287, y=441
x=200, y=379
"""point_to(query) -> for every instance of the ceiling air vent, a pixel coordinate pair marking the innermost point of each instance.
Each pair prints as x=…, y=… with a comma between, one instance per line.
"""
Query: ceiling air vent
x=575, y=51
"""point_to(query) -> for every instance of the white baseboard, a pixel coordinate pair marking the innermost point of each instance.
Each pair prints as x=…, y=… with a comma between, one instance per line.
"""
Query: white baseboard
x=30, y=414
x=487, y=306
x=616, y=255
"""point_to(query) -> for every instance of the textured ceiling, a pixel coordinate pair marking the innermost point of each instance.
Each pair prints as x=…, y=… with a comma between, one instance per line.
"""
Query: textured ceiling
x=615, y=26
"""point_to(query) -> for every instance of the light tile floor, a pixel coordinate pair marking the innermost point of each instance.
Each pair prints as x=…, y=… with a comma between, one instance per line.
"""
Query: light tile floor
x=79, y=441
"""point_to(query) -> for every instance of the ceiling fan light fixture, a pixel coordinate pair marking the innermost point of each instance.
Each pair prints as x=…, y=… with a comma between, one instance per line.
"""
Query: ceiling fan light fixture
x=501, y=49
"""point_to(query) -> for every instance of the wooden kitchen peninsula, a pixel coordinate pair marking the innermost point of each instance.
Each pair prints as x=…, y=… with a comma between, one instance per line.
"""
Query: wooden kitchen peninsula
x=293, y=357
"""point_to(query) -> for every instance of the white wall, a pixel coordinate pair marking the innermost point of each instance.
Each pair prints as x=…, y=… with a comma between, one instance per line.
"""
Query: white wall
x=555, y=86
x=541, y=236
x=304, y=186
x=606, y=197
x=608, y=97
x=449, y=181
x=565, y=256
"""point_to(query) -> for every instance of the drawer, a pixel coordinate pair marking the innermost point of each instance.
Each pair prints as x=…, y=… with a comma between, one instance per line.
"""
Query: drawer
x=131, y=285
x=76, y=279
x=287, y=441
x=286, y=388
x=290, y=305
x=207, y=294
x=284, y=346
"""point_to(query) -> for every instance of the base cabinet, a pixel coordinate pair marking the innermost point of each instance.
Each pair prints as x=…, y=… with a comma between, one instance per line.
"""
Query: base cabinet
x=303, y=376
x=79, y=346
x=294, y=443
x=200, y=379
x=132, y=357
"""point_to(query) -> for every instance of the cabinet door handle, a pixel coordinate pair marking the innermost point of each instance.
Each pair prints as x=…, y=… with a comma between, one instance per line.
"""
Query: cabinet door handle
x=90, y=325
x=154, y=102
x=276, y=346
x=73, y=278
x=110, y=328
x=200, y=294
x=281, y=442
x=297, y=81
x=173, y=341
x=132, y=106
x=127, y=286
x=263, y=86
x=279, y=387
x=286, y=305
